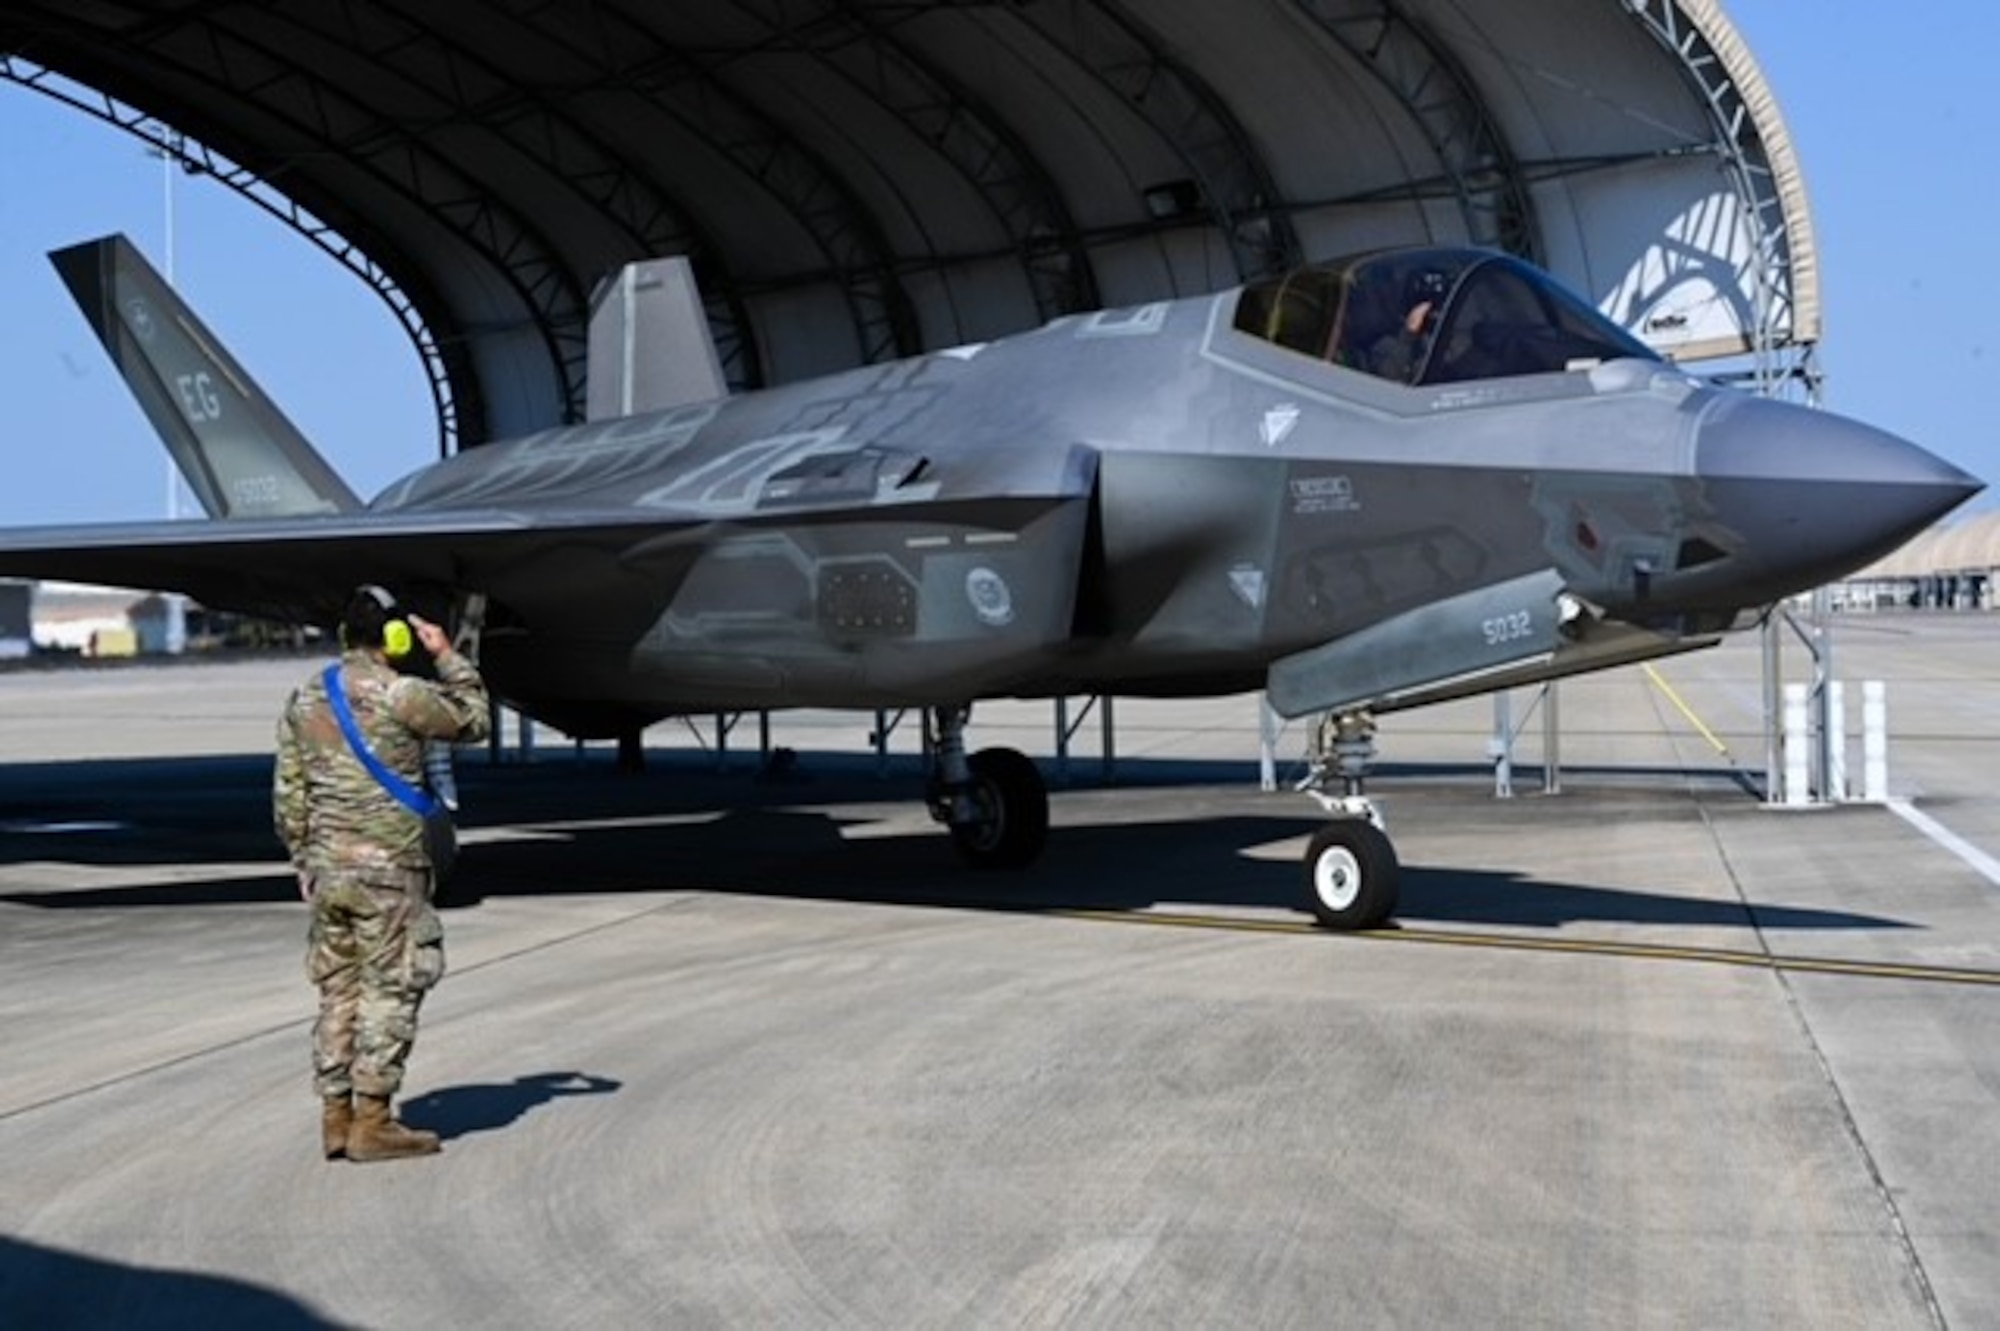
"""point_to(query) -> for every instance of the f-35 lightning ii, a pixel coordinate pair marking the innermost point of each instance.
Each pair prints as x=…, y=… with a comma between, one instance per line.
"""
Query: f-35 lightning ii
x=1362, y=485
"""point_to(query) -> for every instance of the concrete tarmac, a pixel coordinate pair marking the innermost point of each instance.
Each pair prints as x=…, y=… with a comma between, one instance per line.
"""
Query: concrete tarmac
x=717, y=1050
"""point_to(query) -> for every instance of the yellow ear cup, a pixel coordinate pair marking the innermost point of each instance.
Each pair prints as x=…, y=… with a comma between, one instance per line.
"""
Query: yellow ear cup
x=396, y=639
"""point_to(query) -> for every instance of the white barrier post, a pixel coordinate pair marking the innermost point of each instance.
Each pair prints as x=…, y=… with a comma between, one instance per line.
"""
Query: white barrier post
x=1836, y=742
x=1501, y=747
x=1268, y=726
x=1796, y=793
x=1875, y=741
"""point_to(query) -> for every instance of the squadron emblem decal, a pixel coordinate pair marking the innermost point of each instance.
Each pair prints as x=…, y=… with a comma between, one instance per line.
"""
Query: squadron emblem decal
x=992, y=600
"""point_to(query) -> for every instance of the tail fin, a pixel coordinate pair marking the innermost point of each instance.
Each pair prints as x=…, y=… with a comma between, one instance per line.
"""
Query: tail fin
x=649, y=346
x=240, y=455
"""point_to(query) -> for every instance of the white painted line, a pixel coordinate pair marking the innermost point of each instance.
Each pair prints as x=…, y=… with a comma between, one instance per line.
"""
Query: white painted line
x=991, y=538
x=1949, y=839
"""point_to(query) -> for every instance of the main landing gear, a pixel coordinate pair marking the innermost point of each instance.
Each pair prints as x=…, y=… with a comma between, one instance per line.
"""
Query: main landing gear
x=997, y=808
x=1350, y=868
x=993, y=801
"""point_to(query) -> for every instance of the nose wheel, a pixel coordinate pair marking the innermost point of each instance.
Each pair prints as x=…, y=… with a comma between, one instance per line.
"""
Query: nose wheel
x=1352, y=878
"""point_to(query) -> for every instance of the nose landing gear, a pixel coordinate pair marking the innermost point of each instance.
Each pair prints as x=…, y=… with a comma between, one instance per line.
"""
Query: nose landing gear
x=1351, y=873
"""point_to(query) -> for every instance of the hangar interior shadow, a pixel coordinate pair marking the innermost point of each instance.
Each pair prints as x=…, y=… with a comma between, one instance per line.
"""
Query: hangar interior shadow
x=562, y=826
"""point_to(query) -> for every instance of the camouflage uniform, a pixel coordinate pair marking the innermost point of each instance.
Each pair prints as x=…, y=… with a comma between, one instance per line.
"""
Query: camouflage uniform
x=376, y=945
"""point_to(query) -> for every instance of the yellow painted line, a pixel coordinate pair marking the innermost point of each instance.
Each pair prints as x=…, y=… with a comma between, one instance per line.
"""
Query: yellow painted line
x=1710, y=956
x=1170, y=920
x=1684, y=709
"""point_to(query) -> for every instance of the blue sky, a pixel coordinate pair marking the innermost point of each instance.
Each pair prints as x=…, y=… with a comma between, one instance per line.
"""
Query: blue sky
x=1892, y=116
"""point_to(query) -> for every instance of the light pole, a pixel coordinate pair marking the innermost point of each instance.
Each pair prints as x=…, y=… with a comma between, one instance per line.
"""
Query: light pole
x=174, y=605
x=167, y=149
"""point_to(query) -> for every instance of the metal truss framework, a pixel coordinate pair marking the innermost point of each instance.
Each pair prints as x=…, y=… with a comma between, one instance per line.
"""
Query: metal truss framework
x=693, y=89
x=196, y=157
x=390, y=152
x=1408, y=61
x=619, y=186
x=1781, y=363
x=1236, y=186
x=965, y=131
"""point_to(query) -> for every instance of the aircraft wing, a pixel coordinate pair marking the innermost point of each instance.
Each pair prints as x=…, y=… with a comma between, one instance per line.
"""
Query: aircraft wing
x=569, y=567
x=282, y=567
x=587, y=535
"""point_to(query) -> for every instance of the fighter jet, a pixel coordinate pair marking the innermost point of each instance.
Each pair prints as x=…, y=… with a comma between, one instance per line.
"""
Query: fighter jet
x=1361, y=485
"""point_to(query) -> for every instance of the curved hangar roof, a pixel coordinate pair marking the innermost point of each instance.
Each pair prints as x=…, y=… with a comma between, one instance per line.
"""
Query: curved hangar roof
x=856, y=180
x=1963, y=545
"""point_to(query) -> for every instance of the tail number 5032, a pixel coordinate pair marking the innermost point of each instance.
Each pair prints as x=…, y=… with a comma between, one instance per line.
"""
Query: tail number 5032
x=1502, y=629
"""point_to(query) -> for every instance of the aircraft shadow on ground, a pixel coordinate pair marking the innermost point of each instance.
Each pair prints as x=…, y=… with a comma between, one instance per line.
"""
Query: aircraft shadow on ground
x=42, y=1286
x=1195, y=863
x=729, y=833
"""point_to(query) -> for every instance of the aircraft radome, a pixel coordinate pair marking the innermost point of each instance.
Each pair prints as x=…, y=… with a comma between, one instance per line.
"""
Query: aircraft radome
x=1362, y=485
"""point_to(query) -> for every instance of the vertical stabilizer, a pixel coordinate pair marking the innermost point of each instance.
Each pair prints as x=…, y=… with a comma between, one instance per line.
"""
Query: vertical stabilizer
x=649, y=342
x=239, y=453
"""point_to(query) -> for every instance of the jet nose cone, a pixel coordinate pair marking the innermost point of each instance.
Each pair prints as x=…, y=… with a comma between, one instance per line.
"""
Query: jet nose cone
x=1813, y=496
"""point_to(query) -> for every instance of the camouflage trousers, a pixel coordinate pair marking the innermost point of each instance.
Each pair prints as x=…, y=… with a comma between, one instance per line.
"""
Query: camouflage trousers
x=374, y=951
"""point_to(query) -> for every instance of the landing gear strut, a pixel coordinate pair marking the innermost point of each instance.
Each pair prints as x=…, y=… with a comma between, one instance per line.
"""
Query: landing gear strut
x=994, y=801
x=1350, y=868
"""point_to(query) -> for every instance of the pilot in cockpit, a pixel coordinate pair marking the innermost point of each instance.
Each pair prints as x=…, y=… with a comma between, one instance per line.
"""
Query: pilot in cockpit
x=1399, y=353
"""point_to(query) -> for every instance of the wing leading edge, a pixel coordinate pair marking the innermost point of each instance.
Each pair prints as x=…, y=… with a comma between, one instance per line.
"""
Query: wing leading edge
x=282, y=567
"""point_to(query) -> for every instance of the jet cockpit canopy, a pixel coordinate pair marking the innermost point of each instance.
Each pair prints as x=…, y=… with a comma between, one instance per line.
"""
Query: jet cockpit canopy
x=1433, y=316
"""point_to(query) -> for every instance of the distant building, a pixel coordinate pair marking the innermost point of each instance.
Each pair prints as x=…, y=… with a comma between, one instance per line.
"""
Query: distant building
x=91, y=621
x=1953, y=566
x=161, y=624
x=85, y=620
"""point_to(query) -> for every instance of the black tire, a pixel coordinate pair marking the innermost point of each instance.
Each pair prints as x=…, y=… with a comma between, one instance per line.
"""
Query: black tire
x=1351, y=876
x=1013, y=804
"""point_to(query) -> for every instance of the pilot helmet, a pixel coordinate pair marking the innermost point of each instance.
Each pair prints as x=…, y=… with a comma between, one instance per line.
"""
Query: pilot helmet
x=1426, y=284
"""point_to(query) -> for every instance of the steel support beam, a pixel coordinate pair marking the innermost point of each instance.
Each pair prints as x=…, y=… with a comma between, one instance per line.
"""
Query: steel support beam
x=1238, y=191
x=694, y=89
x=870, y=53
x=1445, y=105
x=1780, y=362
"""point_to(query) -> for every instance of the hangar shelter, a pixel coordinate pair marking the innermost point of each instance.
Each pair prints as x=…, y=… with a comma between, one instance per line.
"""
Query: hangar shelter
x=857, y=180
x=853, y=181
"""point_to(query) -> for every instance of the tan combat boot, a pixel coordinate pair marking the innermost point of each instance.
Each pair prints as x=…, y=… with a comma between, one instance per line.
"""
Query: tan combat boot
x=336, y=1117
x=376, y=1136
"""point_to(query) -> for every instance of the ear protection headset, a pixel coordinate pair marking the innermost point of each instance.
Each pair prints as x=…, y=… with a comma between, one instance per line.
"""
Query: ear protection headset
x=397, y=639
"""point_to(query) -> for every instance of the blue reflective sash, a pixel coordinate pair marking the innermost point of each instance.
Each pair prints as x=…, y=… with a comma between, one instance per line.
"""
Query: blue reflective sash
x=420, y=802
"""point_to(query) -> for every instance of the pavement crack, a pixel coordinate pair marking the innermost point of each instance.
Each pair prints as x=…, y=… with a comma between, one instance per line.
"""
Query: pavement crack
x=575, y=935
x=131, y=1075
x=1845, y=1109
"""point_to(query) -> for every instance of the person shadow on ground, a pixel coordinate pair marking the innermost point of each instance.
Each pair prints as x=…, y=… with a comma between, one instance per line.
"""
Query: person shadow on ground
x=459, y=1111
